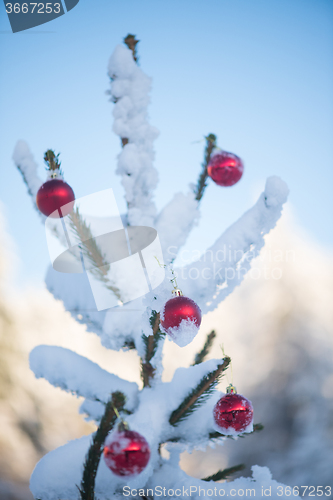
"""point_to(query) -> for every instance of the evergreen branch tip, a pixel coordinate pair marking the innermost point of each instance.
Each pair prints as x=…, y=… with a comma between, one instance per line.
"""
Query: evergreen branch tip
x=199, y=394
x=225, y=473
x=52, y=160
x=131, y=43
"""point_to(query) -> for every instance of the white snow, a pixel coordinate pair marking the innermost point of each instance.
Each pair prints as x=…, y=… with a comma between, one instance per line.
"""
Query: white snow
x=93, y=410
x=183, y=334
x=58, y=473
x=223, y=266
x=173, y=478
x=25, y=162
x=74, y=373
x=130, y=88
x=175, y=222
x=123, y=324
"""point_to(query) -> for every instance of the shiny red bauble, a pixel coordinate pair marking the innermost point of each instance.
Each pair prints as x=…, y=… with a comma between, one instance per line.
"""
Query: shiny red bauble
x=178, y=309
x=52, y=196
x=126, y=453
x=225, y=168
x=180, y=319
x=233, y=412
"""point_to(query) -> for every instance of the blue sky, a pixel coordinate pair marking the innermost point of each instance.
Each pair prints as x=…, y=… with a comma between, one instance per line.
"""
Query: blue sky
x=257, y=73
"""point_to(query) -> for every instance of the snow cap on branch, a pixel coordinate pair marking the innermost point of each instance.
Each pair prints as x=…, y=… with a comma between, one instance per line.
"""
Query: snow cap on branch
x=130, y=89
x=74, y=373
x=224, y=265
x=175, y=222
x=25, y=162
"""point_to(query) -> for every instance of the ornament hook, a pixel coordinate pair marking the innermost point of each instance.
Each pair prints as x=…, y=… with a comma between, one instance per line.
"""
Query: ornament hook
x=176, y=292
x=231, y=389
x=122, y=426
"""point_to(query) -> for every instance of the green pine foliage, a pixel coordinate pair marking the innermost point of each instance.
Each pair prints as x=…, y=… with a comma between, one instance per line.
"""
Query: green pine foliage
x=199, y=394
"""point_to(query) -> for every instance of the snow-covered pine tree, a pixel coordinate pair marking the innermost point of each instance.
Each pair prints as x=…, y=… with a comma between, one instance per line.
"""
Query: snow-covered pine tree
x=177, y=415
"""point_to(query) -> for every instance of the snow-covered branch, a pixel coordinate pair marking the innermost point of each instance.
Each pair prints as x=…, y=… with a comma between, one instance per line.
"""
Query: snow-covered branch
x=171, y=396
x=177, y=219
x=175, y=222
x=74, y=373
x=24, y=161
x=130, y=89
x=223, y=266
x=199, y=394
x=208, y=281
x=26, y=164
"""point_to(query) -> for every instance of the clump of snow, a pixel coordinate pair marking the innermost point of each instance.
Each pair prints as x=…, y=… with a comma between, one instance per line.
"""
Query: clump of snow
x=25, y=162
x=183, y=334
x=93, y=410
x=121, y=64
x=59, y=473
x=56, y=475
x=130, y=89
x=75, y=292
x=74, y=373
x=175, y=222
x=123, y=324
x=276, y=191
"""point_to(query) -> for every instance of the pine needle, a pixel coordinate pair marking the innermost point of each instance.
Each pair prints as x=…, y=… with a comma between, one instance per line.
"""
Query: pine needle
x=225, y=473
x=199, y=394
x=131, y=42
x=201, y=185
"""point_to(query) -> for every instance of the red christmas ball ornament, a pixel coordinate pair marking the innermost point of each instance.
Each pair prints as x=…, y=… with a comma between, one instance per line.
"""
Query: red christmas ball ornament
x=126, y=452
x=233, y=413
x=225, y=168
x=180, y=319
x=52, y=196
